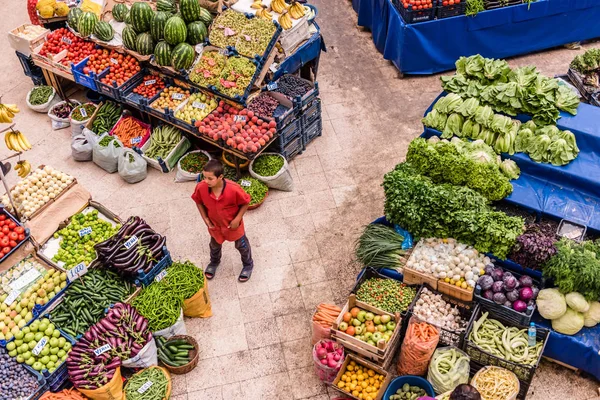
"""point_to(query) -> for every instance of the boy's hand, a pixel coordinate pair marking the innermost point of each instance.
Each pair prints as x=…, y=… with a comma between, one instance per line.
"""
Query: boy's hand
x=209, y=223
x=234, y=224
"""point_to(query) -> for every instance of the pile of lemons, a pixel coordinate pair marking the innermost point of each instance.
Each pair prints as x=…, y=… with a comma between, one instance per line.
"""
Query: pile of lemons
x=360, y=381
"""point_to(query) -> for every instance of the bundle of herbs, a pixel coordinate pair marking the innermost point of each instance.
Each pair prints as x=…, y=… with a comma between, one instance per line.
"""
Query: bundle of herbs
x=380, y=247
x=535, y=246
x=588, y=66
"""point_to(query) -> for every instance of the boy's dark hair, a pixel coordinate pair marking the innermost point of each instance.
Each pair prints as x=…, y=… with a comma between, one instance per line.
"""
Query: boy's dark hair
x=215, y=167
x=465, y=392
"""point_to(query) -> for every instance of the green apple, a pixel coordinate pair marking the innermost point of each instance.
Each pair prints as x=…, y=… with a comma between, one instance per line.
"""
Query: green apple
x=390, y=326
x=377, y=337
x=361, y=315
x=369, y=316
x=343, y=326
x=377, y=320
x=359, y=330
x=385, y=319
x=381, y=328
x=356, y=322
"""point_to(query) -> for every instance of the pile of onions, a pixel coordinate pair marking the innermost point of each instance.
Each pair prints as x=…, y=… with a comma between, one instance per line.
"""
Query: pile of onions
x=329, y=353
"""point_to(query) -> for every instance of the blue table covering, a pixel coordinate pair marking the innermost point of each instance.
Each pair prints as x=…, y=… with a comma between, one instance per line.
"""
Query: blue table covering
x=310, y=50
x=431, y=47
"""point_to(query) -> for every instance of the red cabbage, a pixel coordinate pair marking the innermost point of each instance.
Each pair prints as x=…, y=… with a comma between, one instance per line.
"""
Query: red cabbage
x=499, y=298
x=510, y=282
x=488, y=294
x=498, y=274
x=535, y=290
x=489, y=269
x=498, y=287
x=526, y=294
x=513, y=295
x=526, y=281
x=485, y=281
x=508, y=303
x=519, y=305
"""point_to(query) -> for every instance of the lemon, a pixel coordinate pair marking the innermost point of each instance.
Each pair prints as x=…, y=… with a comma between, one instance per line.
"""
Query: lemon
x=463, y=285
x=340, y=384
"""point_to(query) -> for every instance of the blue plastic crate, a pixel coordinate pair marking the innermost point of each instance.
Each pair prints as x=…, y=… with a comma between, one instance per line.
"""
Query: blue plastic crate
x=88, y=81
x=311, y=114
x=286, y=136
x=144, y=279
x=29, y=68
x=312, y=131
x=411, y=16
x=412, y=380
x=112, y=90
x=292, y=149
x=135, y=99
x=42, y=387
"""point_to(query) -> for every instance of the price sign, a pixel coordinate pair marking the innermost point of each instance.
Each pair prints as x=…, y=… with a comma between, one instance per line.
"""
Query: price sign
x=40, y=346
x=223, y=52
x=161, y=275
x=145, y=387
x=25, y=279
x=66, y=40
x=12, y=297
x=245, y=183
x=200, y=105
x=85, y=231
x=83, y=112
x=136, y=140
x=102, y=349
x=272, y=86
x=150, y=82
x=239, y=118
x=131, y=241
x=274, y=67
x=177, y=96
x=77, y=271
x=112, y=60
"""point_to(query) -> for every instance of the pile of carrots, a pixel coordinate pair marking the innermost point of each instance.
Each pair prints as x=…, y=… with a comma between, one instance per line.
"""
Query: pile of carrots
x=128, y=130
x=67, y=394
x=417, y=349
x=326, y=314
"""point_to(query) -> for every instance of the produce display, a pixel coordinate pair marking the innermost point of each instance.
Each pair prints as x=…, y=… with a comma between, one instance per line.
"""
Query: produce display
x=184, y=278
x=159, y=389
x=407, y=392
x=99, y=61
x=432, y=308
x=40, y=95
x=170, y=305
x=11, y=234
x=63, y=39
x=208, y=69
x=428, y=210
x=193, y=162
x=170, y=98
x=83, y=112
x=236, y=76
x=366, y=326
x=40, y=345
x=163, y=140
x=121, y=71
x=326, y=315
x=268, y=164
x=37, y=189
x=175, y=352
x=65, y=394
x=449, y=368
x=255, y=188
x=130, y=131
x=417, y=348
x=507, y=343
x=386, y=294
x=503, y=288
x=135, y=247
x=63, y=110
x=151, y=85
x=87, y=298
x=263, y=105
x=15, y=381
x=255, y=37
x=495, y=383
x=240, y=129
x=20, y=276
x=357, y=380
x=511, y=91
x=125, y=332
x=107, y=116
x=587, y=65
x=226, y=29
x=197, y=107
x=292, y=86
x=329, y=353
x=380, y=247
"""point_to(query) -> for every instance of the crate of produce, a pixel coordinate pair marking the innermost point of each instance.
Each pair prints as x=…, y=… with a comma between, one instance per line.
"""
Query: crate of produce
x=52, y=63
x=30, y=381
x=83, y=77
x=353, y=364
x=236, y=94
x=512, y=287
x=577, y=81
x=435, y=308
x=413, y=277
x=286, y=136
x=14, y=235
x=447, y=11
x=493, y=4
x=311, y=113
x=312, y=132
x=195, y=108
x=112, y=89
x=290, y=150
x=516, y=342
x=105, y=117
x=27, y=36
x=167, y=101
x=146, y=278
x=275, y=106
x=165, y=147
x=131, y=131
x=301, y=91
x=411, y=15
x=145, y=89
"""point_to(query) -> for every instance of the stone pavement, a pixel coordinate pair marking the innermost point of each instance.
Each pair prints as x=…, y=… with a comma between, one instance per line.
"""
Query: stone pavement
x=257, y=345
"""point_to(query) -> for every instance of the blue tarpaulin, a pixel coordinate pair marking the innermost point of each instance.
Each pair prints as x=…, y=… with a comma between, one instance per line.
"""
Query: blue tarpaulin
x=433, y=46
x=310, y=50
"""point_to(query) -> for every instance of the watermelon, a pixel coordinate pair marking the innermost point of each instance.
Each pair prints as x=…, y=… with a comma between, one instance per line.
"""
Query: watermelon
x=104, y=31
x=190, y=10
x=141, y=16
x=162, y=53
x=205, y=16
x=197, y=32
x=73, y=16
x=144, y=44
x=129, y=38
x=127, y=18
x=86, y=23
x=182, y=56
x=175, y=31
x=119, y=12
x=157, y=28
x=167, y=6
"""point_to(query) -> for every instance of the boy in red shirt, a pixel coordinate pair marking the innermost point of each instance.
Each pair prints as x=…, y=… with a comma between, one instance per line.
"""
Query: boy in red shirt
x=222, y=204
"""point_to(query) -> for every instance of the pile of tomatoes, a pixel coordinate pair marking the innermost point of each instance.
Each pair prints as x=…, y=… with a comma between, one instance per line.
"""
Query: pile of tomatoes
x=423, y=4
x=121, y=69
x=11, y=235
x=150, y=86
x=63, y=39
x=98, y=62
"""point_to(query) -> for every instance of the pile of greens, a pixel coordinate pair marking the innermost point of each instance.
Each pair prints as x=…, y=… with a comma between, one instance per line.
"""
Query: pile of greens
x=511, y=91
x=452, y=162
x=576, y=268
x=380, y=247
x=425, y=209
x=546, y=144
x=268, y=164
x=255, y=188
x=588, y=65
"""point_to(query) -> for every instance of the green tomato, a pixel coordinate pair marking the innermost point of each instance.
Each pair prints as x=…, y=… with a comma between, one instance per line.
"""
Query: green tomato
x=29, y=361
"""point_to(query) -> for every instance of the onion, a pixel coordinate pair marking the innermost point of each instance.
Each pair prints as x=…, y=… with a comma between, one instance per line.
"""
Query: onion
x=321, y=353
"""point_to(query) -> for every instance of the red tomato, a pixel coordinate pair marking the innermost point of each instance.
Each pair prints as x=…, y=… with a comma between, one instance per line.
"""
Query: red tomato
x=2, y=217
x=19, y=229
x=21, y=237
x=12, y=243
x=6, y=229
x=6, y=250
x=2, y=254
x=13, y=236
x=12, y=225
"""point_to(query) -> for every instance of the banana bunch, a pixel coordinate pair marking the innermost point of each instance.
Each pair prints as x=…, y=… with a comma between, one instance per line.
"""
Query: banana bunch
x=285, y=21
x=7, y=112
x=16, y=141
x=257, y=5
x=279, y=6
x=296, y=10
x=23, y=168
x=264, y=13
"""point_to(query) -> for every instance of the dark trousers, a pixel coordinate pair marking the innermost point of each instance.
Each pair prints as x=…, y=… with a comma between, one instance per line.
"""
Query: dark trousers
x=242, y=245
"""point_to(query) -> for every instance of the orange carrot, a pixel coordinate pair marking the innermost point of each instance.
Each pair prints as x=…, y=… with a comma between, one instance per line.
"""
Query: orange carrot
x=129, y=129
x=419, y=344
x=67, y=394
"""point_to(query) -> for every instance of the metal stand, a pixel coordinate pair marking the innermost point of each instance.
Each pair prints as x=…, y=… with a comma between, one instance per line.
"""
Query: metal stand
x=3, y=178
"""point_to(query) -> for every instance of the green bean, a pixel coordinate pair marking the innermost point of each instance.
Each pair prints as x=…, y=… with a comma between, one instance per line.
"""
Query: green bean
x=185, y=279
x=160, y=304
x=40, y=95
x=157, y=391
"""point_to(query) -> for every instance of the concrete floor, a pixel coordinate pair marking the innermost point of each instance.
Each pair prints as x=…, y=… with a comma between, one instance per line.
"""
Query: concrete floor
x=257, y=346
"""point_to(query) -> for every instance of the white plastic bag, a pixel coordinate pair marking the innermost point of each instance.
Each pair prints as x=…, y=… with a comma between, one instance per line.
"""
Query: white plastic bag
x=81, y=147
x=107, y=157
x=282, y=180
x=77, y=126
x=455, y=375
x=184, y=176
x=132, y=166
x=146, y=357
x=42, y=108
x=60, y=123
x=178, y=328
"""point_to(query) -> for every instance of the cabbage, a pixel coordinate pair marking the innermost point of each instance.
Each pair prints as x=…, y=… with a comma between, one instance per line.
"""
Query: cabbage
x=551, y=303
x=577, y=302
x=510, y=169
x=486, y=282
x=592, y=316
x=569, y=323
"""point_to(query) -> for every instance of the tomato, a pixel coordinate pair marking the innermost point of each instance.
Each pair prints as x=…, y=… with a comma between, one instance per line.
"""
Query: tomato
x=12, y=243
x=21, y=237
x=13, y=236
x=2, y=254
x=6, y=250
x=4, y=242
x=12, y=225
x=5, y=230
x=2, y=217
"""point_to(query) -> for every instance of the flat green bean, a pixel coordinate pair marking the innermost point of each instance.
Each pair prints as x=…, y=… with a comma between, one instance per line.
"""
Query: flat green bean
x=157, y=391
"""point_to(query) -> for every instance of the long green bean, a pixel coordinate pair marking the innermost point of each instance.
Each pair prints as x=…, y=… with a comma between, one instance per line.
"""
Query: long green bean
x=138, y=388
x=160, y=304
x=185, y=279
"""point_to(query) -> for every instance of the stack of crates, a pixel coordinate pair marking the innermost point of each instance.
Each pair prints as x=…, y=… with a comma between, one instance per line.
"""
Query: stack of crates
x=30, y=69
x=312, y=124
x=289, y=142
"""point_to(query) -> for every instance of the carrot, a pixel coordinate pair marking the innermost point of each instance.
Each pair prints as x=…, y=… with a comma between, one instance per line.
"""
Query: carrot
x=67, y=394
x=129, y=131
x=420, y=342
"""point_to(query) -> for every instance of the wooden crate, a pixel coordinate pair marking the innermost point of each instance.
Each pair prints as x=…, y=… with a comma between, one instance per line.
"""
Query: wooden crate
x=22, y=45
x=52, y=63
x=412, y=277
x=364, y=363
x=454, y=291
x=383, y=350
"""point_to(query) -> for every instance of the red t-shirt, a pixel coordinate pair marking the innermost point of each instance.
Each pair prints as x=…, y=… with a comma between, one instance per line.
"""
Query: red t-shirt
x=223, y=210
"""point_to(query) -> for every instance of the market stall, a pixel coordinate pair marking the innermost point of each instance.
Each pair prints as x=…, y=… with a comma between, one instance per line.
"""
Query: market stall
x=424, y=48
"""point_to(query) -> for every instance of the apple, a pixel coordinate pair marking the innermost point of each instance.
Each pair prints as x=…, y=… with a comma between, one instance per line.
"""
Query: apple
x=381, y=328
x=356, y=322
x=359, y=330
x=377, y=336
x=390, y=326
x=377, y=320
x=369, y=316
x=343, y=326
x=361, y=315
x=385, y=319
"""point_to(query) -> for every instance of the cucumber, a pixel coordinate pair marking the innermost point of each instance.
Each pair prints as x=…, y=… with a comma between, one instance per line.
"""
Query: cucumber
x=182, y=354
x=172, y=349
x=186, y=347
x=178, y=342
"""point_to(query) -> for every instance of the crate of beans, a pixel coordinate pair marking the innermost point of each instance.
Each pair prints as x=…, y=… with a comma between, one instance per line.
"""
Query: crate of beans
x=299, y=90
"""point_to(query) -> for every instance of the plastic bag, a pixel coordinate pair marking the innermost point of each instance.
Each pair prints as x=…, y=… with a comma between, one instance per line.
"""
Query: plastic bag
x=324, y=371
x=82, y=146
x=282, y=180
x=319, y=332
x=178, y=328
x=60, y=123
x=145, y=358
x=107, y=157
x=132, y=166
x=42, y=108
x=184, y=176
x=420, y=342
x=449, y=368
x=78, y=126
x=113, y=390
x=198, y=306
x=407, y=243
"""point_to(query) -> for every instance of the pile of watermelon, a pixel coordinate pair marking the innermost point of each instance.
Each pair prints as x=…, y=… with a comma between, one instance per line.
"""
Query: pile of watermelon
x=86, y=23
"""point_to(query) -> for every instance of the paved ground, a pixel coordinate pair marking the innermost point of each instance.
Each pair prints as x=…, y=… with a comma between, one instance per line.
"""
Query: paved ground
x=256, y=346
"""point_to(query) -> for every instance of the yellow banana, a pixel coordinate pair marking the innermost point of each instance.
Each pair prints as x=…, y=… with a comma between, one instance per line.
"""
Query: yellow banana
x=257, y=5
x=12, y=108
x=23, y=168
x=279, y=6
x=23, y=142
x=4, y=115
x=296, y=10
x=285, y=21
x=6, y=141
x=14, y=142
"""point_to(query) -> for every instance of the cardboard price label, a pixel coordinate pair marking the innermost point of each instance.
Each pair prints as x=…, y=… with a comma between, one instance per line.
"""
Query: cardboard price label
x=136, y=140
x=245, y=183
x=145, y=387
x=150, y=82
x=85, y=231
x=66, y=40
x=161, y=275
x=239, y=118
x=272, y=86
x=274, y=67
x=177, y=96
x=77, y=271
x=12, y=297
x=131, y=242
x=102, y=349
x=83, y=112
x=40, y=346
x=198, y=104
x=112, y=60
x=25, y=279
